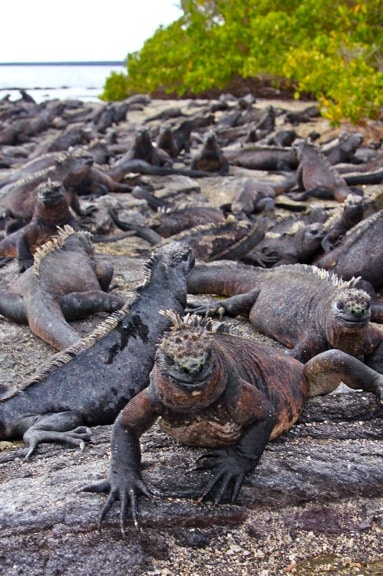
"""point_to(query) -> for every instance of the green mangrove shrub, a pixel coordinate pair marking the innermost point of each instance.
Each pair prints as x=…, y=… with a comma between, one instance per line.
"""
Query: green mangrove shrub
x=330, y=49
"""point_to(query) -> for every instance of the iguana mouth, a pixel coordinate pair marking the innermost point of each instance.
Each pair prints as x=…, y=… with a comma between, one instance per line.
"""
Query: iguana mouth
x=192, y=381
x=361, y=320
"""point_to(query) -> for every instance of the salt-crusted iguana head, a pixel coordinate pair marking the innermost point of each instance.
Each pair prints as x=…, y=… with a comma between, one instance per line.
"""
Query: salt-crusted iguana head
x=351, y=308
x=186, y=372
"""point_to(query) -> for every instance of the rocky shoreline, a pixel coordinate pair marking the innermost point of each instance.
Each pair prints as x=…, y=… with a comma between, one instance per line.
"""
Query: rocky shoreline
x=314, y=505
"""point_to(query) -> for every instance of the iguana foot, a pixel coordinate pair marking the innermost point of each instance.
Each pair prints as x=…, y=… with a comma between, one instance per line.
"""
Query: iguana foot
x=125, y=494
x=206, y=310
x=230, y=470
x=76, y=437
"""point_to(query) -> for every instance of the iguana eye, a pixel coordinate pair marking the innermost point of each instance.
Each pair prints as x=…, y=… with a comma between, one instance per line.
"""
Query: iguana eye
x=340, y=306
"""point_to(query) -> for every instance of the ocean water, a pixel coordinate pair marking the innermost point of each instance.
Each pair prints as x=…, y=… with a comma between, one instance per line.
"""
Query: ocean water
x=49, y=81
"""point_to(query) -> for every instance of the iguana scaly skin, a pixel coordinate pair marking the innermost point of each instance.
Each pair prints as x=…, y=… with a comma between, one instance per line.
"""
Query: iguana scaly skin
x=65, y=283
x=218, y=391
x=301, y=306
x=90, y=382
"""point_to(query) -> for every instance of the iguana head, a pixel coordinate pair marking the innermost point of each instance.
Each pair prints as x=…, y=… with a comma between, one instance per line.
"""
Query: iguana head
x=186, y=373
x=49, y=190
x=351, y=309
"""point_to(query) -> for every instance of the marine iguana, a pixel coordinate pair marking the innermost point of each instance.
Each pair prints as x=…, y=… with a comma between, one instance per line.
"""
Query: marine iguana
x=317, y=177
x=90, y=382
x=18, y=199
x=123, y=166
x=175, y=140
x=143, y=149
x=44, y=161
x=51, y=210
x=359, y=253
x=266, y=158
x=169, y=221
x=255, y=196
x=306, y=115
x=351, y=212
x=290, y=240
x=229, y=238
x=68, y=138
x=344, y=149
x=65, y=283
x=87, y=180
x=305, y=308
x=219, y=391
x=210, y=157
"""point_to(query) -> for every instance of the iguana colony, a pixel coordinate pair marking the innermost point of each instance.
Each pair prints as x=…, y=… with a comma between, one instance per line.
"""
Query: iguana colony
x=325, y=322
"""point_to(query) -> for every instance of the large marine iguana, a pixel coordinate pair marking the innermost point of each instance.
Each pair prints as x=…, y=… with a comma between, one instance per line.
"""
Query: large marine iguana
x=305, y=308
x=65, y=283
x=224, y=392
x=90, y=382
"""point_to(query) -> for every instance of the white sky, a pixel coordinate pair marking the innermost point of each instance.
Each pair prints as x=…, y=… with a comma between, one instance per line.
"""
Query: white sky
x=73, y=30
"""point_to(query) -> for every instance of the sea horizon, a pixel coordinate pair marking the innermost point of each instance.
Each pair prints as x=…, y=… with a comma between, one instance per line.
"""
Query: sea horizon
x=83, y=80
x=68, y=63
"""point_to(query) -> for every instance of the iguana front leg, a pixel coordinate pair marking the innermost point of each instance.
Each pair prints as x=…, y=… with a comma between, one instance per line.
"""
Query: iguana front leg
x=125, y=480
x=310, y=345
x=231, y=465
x=232, y=306
x=63, y=427
x=78, y=305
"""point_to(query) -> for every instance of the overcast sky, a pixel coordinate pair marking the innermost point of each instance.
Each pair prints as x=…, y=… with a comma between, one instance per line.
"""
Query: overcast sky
x=74, y=30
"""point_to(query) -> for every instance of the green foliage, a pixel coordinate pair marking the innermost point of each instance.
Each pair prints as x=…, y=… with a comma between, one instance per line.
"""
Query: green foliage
x=331, y=49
